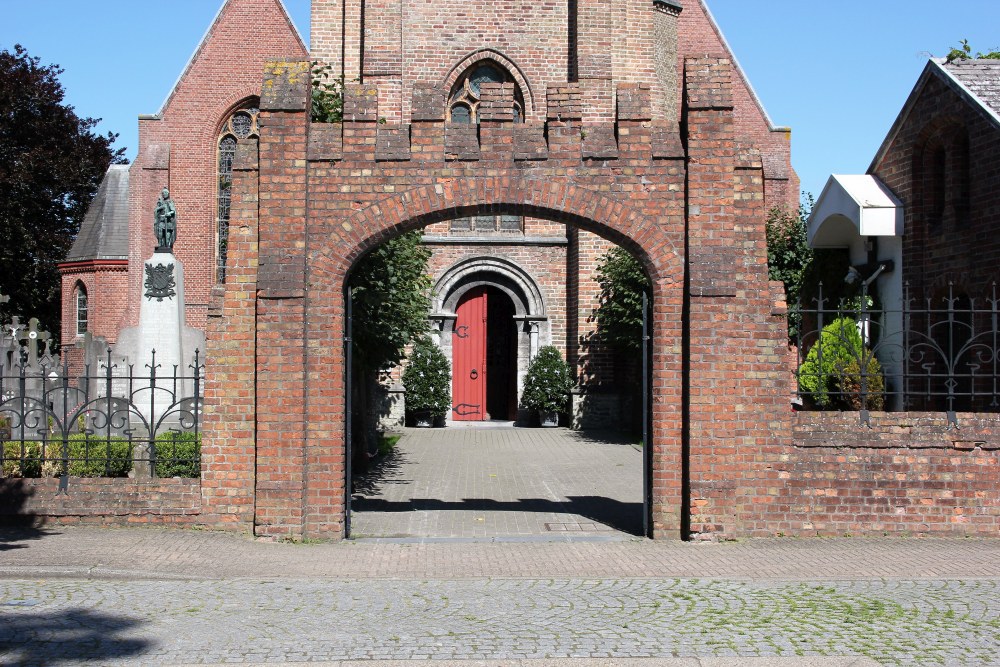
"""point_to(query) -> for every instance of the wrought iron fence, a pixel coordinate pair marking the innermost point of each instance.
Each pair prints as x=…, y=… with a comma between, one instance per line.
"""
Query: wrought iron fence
x=928, y=353
x=109, y=421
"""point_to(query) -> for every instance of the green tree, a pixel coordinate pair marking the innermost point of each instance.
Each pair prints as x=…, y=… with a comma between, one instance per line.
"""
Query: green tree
x=327, y=95
x=390, y=297
x=831, y=376
x=964, y=52
x=619, y=312
x=547, y=383
x=51, y=163
x=427, y=379
x=789, y=257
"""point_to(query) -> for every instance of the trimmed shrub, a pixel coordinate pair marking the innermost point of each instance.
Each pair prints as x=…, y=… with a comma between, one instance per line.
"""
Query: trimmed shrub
x=427, y=379
x=18, y=462
x=548, y=382
x=94, y=456
x=830, y=376
x=178, y=454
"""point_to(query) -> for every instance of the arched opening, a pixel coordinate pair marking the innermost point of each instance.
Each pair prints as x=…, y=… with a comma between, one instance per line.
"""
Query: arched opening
x=492, y=318
x=484, y=357
x=491, y=472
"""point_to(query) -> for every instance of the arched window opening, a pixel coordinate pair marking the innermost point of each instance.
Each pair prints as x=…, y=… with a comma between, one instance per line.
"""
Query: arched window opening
x=957, y=204
x=463, y=108
x=82, y=317
x=935, y=166
x=240, y=125
x=463, y=102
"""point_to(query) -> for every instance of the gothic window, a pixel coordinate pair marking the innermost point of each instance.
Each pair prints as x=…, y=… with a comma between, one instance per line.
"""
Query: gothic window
x=81, y=309
x=943, y=178
x=463, y=103
x=463, y=108
x=240, y=125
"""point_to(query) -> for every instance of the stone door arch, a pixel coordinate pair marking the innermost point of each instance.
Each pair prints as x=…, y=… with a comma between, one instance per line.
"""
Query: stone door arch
x=531, y=322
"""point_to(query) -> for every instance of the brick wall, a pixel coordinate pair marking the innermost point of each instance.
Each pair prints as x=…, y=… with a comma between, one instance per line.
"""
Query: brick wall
x=961, y=246
x=106, y=284
x=907, y=474
x=356, y=200
x=103, y=501
x=699, y=36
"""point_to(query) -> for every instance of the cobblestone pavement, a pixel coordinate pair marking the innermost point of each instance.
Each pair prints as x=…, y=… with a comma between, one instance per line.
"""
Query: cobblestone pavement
x=927, y=622
x=502, y=481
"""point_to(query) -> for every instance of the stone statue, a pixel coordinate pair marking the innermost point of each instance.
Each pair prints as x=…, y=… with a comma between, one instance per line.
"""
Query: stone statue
x=165, y=225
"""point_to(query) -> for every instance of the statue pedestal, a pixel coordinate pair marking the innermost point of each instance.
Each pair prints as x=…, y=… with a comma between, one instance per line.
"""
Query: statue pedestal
x=162, y=346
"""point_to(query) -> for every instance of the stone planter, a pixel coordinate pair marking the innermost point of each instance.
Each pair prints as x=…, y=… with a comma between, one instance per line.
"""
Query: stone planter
x=548, y=419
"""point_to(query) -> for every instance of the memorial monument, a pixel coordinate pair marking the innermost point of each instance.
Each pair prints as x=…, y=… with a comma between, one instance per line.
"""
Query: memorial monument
x=162, y=346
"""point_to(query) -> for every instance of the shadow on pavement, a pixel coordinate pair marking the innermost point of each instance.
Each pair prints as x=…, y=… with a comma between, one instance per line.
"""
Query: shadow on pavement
x=602, y=437
x=625, y=517
x=381, y=472
x=16, y=525
x=73, y=635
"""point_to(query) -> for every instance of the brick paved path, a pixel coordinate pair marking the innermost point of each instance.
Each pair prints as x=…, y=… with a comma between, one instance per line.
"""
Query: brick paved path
x=507, y=482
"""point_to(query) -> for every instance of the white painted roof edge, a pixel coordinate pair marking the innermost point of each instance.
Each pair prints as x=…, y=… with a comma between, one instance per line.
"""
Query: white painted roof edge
x=204, y=38
x=852, y=185
x=739, y=68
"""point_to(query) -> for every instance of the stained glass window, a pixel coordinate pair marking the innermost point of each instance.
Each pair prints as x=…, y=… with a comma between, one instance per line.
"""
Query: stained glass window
x=240, y=125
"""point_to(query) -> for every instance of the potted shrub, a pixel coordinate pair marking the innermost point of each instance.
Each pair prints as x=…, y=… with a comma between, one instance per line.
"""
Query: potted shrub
x=427, y=382
x=547, y=385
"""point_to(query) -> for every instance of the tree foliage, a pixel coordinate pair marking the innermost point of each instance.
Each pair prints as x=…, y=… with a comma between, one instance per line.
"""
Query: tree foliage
x=51, y=163
x=391, y=298
x=619, y=312
x=789, y=257
x=327, y=95
x=831, y=377
x=964, y=52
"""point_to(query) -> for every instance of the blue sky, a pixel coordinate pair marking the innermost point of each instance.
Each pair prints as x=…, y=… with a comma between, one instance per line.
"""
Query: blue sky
x=837, y=73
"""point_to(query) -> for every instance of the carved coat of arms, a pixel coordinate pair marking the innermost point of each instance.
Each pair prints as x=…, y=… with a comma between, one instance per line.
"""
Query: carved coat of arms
x=160, y=281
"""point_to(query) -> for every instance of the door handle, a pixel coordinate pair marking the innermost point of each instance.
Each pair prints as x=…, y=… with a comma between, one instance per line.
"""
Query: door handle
x=474, y=374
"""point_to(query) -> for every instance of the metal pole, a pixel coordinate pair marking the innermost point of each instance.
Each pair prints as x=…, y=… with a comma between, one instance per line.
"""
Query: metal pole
x=348, y=390
x=647, y=445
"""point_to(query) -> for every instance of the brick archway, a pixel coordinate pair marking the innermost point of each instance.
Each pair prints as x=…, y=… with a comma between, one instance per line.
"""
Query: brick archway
x=310, y=199
x=561, y=201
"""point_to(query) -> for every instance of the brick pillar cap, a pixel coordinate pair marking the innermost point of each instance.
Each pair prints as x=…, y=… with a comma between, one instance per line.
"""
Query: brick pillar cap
x=669, y=5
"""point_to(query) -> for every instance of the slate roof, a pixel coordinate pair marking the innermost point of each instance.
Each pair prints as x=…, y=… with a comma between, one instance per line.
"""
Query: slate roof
x=104, y=231
x=981, y=78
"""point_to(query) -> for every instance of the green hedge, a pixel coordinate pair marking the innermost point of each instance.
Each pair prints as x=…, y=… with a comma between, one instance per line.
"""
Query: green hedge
x=177, y=455
x=22, y=463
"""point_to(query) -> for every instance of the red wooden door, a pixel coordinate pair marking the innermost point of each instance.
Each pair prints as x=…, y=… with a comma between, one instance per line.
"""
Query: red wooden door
x=468, y=363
